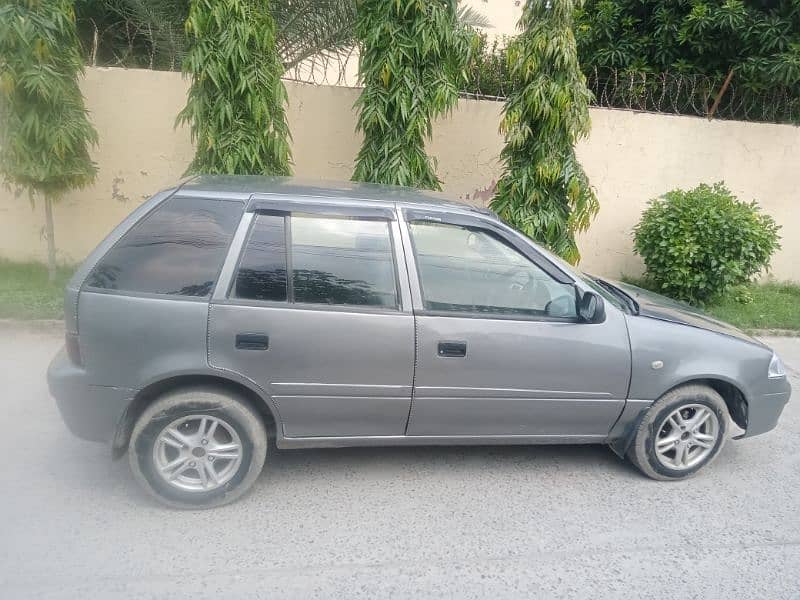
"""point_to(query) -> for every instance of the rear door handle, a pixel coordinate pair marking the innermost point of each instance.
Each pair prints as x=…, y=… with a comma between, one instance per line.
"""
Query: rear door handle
x=252, y=341
x=452, y=349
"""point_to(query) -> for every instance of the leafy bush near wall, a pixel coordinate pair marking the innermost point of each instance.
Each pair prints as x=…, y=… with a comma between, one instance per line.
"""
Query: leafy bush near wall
x=236, y=107
x=413, y=56
x=45, y=128
x=544, y=191
x=699, y=244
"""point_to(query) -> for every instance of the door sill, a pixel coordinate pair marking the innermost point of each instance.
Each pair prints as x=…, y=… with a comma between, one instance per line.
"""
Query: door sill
x=436, y=440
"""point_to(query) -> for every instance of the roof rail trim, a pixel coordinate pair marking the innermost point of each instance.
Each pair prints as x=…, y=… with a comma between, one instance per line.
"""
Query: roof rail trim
x=287, y=206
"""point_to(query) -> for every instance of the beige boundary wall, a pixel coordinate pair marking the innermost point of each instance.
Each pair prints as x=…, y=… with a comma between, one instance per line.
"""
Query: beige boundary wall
x=630, y=157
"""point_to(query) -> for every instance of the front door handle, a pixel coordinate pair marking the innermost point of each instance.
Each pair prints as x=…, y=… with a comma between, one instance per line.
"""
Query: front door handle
x=252, y=341
x=452, y=349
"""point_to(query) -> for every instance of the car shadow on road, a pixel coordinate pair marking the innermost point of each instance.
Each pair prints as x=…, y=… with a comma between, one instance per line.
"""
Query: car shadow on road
x=542, y=458
x=92, y=466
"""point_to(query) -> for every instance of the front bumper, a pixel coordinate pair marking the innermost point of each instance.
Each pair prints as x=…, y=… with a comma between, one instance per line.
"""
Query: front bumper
x=764, y=410
x=91, y=412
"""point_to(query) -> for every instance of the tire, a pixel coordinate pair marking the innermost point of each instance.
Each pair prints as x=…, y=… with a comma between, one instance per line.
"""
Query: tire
x=185, y=467
x=666, y=432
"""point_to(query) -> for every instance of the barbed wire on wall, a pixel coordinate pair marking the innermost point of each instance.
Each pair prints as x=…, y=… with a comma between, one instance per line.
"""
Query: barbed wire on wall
x=327, y=69
x=127, y=44
x=665, y=93
x=671, y=93
x=682, y=94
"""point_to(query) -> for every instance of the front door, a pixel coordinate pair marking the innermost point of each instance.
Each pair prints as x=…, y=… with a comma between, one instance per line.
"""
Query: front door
x=314, y=317
x=500, y=348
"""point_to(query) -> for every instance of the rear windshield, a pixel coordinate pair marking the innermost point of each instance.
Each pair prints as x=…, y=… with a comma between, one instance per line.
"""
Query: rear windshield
x=177, y=249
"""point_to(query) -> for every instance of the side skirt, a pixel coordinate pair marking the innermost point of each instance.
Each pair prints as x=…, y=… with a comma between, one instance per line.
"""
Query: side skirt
x=431, y=440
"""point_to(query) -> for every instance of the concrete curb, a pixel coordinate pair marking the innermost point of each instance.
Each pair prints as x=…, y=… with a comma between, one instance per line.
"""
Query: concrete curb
x=773, y=332
x=43, y=325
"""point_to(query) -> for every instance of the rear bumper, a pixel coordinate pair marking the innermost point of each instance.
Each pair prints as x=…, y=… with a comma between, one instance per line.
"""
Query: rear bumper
x=764, y=411
x=91, y=412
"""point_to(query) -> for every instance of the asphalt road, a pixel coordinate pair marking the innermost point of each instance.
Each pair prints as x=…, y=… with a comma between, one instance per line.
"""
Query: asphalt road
x=498, y=522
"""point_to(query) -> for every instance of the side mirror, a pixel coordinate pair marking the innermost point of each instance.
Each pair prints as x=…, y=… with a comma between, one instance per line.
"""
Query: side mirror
x=591, y=308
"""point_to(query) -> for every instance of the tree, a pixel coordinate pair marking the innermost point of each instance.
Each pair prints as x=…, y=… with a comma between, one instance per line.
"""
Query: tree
x=412, y=58
x=544, y=191
x=236, y=103
x=758, y=39
x=45, y=126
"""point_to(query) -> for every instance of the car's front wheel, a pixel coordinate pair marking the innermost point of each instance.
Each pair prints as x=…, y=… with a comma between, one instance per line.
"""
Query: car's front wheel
x=681, y=433
x=198, y=448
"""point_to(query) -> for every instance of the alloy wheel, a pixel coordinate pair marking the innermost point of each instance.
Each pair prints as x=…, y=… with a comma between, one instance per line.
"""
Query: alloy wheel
x=197, y=453
x=687, y=436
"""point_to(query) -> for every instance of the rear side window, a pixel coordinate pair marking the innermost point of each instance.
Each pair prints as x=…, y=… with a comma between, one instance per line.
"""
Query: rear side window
x=177, y=249
x=342, y=261
x=262, y=270
x=334, y=261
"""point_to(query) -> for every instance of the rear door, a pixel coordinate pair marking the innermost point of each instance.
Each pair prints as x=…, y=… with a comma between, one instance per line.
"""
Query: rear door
x=317, y=315
x=500, y=348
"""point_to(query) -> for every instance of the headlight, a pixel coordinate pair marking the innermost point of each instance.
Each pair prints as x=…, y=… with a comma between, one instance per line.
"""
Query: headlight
x=776, y=369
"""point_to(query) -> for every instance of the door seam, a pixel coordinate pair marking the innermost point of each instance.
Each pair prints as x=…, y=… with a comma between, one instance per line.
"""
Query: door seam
x=413, y=376
x=401, y=224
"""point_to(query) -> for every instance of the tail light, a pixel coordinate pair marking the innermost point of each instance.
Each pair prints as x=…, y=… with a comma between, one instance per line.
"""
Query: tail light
x=73, y=348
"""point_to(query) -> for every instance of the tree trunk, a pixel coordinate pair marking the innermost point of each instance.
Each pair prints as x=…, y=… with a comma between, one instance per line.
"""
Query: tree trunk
x=721, y=93
x=51, y=239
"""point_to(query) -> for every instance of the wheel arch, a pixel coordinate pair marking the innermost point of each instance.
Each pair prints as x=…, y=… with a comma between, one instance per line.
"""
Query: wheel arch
x=148, y=394
x=731, y=393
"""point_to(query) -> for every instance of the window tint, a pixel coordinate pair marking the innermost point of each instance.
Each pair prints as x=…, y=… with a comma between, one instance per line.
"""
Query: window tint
x=471, y=270
x=342, y=261
x=262, y=270
x=177, y=249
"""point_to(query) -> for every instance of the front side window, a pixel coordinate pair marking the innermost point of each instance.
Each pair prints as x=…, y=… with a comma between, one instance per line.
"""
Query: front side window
x=465, y=269
x=334, y=261
x=177, y=249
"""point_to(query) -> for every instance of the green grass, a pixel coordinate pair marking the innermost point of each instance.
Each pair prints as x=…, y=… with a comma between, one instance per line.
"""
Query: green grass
x=25, y=292
x=773, y=306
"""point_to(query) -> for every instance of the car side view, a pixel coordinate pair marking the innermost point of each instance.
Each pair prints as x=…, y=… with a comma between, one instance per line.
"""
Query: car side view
x=229, y=311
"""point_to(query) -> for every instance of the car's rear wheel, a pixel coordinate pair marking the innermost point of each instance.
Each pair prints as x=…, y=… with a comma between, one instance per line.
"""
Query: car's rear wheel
x=198, y=448
x=681, y=433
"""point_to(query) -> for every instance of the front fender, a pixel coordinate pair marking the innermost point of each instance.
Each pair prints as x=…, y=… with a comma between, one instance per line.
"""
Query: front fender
x=666, y=355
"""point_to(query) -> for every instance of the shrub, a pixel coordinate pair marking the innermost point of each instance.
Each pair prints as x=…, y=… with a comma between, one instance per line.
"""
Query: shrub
x=698, y=244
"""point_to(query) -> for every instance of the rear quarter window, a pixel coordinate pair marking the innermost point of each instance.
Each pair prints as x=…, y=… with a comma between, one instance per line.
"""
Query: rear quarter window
x=177, y=249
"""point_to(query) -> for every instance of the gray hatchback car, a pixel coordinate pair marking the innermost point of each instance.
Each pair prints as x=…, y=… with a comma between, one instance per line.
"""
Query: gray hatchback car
x=230, y=311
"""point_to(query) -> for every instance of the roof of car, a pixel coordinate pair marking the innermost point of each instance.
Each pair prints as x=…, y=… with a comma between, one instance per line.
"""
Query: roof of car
x=244, y=186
